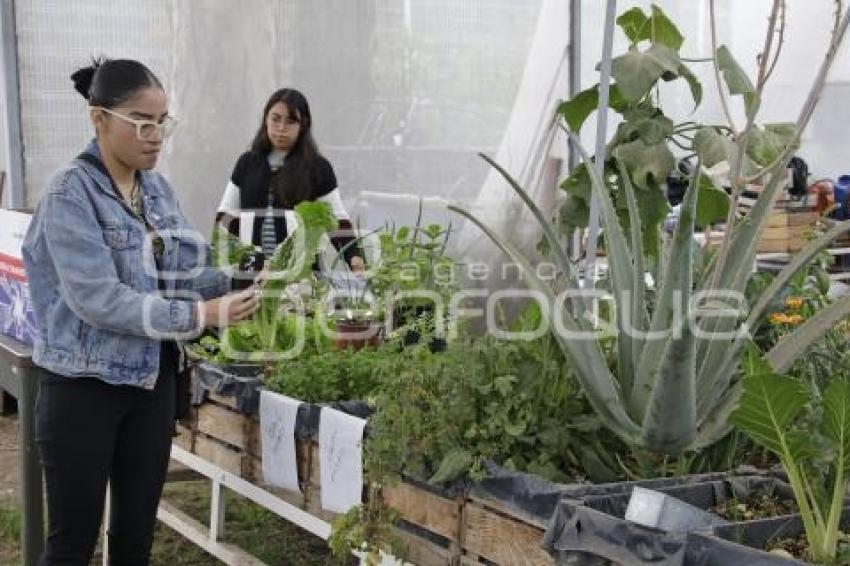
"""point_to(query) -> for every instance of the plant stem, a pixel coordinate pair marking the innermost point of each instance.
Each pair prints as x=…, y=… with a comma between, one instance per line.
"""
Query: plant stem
x=780, y=42
x=741, y=139
x=723, y=102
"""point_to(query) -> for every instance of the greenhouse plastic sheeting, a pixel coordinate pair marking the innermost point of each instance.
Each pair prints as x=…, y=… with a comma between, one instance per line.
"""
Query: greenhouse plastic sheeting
x=404, y=92
x=395, y=106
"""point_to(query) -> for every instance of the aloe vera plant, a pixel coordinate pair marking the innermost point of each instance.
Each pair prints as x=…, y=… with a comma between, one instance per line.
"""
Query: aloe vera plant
x=674, y=388
x=815, y=451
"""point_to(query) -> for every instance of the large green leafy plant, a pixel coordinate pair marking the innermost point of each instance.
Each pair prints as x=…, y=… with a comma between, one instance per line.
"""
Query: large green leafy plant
x=646, y=139
x=271, y=330
x=675, y=383
x=811, y=435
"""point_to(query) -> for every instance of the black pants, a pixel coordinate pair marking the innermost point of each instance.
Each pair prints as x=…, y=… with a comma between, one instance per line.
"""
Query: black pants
x=90, y=432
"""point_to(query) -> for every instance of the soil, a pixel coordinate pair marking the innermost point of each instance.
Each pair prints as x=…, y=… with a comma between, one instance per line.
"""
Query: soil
x=760, y=506
x=796, y=547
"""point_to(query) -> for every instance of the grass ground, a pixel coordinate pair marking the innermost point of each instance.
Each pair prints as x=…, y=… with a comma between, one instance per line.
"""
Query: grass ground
x=256, y=530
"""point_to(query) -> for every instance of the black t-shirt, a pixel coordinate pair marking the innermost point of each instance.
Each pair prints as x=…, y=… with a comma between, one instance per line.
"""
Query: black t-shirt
x=253, y=176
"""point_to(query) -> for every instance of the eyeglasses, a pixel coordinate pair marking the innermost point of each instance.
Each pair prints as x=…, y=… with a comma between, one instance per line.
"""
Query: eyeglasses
x=146, y=129
x=284, y=123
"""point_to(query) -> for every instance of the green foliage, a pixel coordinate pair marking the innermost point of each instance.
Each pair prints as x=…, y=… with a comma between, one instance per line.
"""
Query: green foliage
x=440, y=416
x=736, y=79
x=412, y=260
x=226, y=249
x=10, y=523
x=636, y=72
x=582, y=105
x=811, y=436
x=270, y=330
x=330, y=375
x=367, y=529
x=656, y=28
x=645, y=140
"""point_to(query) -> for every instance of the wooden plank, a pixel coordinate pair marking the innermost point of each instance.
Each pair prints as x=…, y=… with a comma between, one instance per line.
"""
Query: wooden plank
x=423, y=552
x=507, y=511
x=424, y=509
x=785, y=232
x=503, y=540
x=183, y=438
x=226, y=425
x=217, y=453
x=223, y=400
x=778, y=246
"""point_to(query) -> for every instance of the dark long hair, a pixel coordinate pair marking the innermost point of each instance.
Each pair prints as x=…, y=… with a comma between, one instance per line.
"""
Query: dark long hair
x=109, y=82
x=293, y=183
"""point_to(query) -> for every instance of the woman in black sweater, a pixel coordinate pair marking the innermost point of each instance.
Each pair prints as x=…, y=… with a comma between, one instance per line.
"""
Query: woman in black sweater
x=282, y=169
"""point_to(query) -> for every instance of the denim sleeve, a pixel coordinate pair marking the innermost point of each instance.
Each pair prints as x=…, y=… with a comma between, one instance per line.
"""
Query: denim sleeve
x=89, y=283
x=210, y=283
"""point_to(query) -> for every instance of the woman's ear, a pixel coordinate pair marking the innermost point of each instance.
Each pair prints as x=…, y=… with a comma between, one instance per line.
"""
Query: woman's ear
x=98, y=119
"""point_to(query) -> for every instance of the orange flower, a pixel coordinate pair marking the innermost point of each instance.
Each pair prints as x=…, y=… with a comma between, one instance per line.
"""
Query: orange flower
x=794, y=320
x=794, y=303
x=778, y=318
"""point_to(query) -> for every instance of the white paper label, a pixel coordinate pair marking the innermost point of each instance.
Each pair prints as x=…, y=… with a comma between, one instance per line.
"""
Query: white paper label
x=277, y=436
x=340, y=460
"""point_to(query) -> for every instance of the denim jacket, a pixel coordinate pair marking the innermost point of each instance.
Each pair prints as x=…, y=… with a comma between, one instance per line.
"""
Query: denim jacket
x=94, y=283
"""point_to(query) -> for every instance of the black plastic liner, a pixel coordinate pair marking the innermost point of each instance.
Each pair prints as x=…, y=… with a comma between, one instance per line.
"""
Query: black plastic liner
x=581, y=536
x=537, y=498
x=242, y=382
x=594, y=525
x=703, y=550
x=704, y=495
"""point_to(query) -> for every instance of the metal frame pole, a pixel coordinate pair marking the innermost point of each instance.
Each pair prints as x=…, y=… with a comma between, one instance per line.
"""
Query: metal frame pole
x=601, y=133
x=12, y=93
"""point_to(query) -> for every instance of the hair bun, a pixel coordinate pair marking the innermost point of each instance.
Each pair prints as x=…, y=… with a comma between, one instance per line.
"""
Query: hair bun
x=84, y=76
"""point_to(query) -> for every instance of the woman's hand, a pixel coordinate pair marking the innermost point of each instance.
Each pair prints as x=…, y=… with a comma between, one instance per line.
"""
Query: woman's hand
x=357, y=264
x=229, y=309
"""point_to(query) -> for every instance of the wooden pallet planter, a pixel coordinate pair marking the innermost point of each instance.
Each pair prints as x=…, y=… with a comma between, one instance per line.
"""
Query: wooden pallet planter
x=787, y=231
x=462, y=530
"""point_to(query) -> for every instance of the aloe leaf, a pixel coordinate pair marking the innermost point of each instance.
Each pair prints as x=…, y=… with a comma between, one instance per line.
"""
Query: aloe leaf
x=677, y=277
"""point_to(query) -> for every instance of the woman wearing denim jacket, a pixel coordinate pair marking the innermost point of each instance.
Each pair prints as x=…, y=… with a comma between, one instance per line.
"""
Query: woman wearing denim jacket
x=116, y=275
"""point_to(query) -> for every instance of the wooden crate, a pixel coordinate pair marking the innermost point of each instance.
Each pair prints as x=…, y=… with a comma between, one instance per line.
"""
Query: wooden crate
x=466, y=530
x=786, y=230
